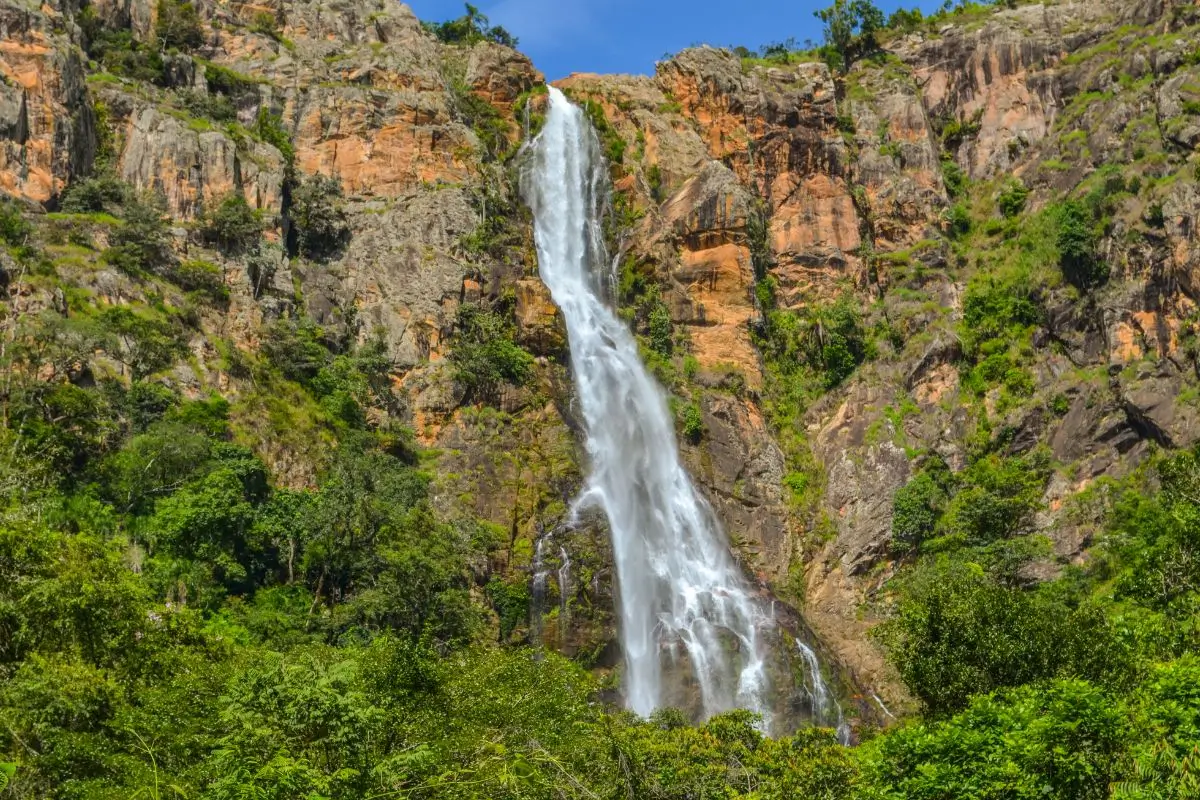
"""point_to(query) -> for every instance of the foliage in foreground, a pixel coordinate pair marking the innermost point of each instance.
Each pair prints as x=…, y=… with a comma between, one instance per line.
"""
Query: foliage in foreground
x=170, y=619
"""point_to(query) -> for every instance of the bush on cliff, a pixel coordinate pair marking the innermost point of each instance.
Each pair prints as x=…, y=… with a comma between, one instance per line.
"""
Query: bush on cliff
x=177, y=25
x=14, y=230
x=850, y=28
x=139, y=244
x=231, y=224
x=319, y=221
x=485, y=356
x=1076, y=241
x=101, y=192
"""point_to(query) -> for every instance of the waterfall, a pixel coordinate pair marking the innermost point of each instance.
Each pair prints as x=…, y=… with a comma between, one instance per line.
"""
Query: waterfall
x=680, y=593
x=541, y=575
x=564, y=582
x=825, y=708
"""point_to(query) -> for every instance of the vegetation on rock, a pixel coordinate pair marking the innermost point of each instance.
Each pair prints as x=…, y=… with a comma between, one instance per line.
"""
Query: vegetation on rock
x=470, y=28
x=485, y=357
x=320, y=223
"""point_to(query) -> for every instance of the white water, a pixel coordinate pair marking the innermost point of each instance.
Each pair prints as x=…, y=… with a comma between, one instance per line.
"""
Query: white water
x=680, y=592
x=825, y=708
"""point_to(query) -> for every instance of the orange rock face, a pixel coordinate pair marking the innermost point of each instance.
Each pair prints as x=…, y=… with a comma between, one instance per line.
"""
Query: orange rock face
x=47, y=130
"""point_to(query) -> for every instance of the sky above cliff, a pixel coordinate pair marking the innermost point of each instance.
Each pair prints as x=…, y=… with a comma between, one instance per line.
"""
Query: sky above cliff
x=565, y=36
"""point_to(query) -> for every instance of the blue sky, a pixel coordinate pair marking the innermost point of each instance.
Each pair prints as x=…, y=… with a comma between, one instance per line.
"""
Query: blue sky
x=565, y=36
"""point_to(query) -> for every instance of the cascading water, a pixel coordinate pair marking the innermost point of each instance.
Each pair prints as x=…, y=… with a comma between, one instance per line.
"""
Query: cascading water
x=680, y=591
x=825, y=708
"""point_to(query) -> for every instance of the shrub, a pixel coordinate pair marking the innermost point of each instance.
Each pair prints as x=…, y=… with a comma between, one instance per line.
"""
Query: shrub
x=1154, y=215
x=268, y=127
x=320, y=223
x=216, y=107
x=827, y=338
x=103, y=192
x=118, y=51
x=202, y=277
x=954, y=177
x=140, y=244
x=511, y=602
x=1076, y=241
x=485, y=356
x=482, y=117
x=958, y=220
x=654, y=180
x=693, y=423
x=232, y=225
x=227, y=82
x=178, y=26
x=611, y=141
x=296, y=347
x=916, y=508
x=838, y=342
x=998, y=499
x=993, y=307
x=266, y=23
x=660, y=328
x=1012, y=197
x=955, y=131
x=14, y=229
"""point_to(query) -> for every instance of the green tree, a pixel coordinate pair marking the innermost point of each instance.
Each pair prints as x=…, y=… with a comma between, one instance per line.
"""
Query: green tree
x=997, y=497
x=1065, y=741
x=297, y=347
x=14, y=229
x=471, y=27
x=365, y=499
x=957, y=632
x=484, y=355
x=1012, y=196
x=693, y=422
x=177, y=25
x=151, y=464
x=835, y=340
x=140, y=243
x=319, y=220
x=298, y=727
x=231, y=224
x=101, y=192
x=211, y=520
x=660, y=329
x=1076, y=240
x=147, y=343
x=850, y=27
x=916, y=508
